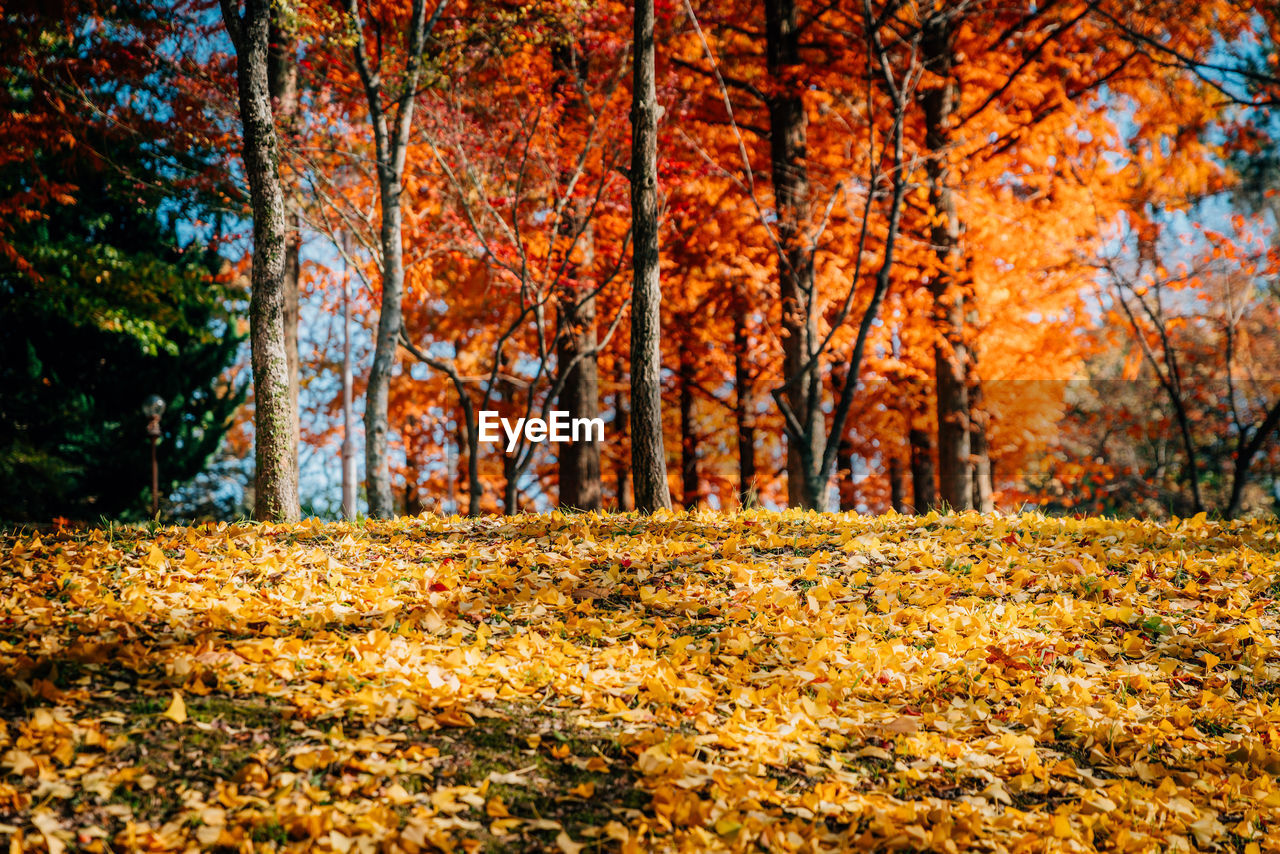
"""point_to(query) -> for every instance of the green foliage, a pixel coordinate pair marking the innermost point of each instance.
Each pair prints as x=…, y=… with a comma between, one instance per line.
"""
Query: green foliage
x=110, y=311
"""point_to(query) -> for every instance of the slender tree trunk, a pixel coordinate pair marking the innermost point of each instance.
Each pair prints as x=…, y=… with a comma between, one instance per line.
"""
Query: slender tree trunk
x=983, y=486
x=622, y=462
x=390, y=318
x=951, y=355
x=897, y=485
x=689, y=487
x=648, y=453
x=276, y=476
x=391, y=131
x=1244, y=455
x=348, y=407
x=742, y=407
x=844, y=450
x=510, y=485
x=844, y=476
x=471, y=431
x=788, y=129
x=924, y=489
x=579, y=461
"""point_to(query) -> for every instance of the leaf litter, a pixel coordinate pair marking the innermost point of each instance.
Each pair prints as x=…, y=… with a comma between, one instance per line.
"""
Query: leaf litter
x=701, y=682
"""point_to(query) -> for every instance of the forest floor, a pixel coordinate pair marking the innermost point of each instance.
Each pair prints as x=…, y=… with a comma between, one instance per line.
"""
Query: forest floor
x=701, y=682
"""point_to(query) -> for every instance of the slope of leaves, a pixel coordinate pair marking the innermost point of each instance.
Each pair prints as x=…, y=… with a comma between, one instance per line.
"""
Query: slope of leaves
x=687, y=682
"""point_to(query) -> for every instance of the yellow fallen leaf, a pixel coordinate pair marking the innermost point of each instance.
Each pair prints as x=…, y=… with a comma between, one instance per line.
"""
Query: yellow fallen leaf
x=177, y=711
x=567, y=845
x=585, y=790
x=727, y=825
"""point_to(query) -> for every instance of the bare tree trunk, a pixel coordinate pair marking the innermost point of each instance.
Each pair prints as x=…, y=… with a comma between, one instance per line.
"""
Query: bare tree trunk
x=1247, y=447
x=788, y=128
x=510, y=485
x=979, y=419
x=924, y=489
x=897, y=486
x=844, y=453
x=348, y=408
x=622, y=462
x=391, y=131
x=844, y=476
x=689, y=487
x=951, y=355
x=648, y=453
x=580, y=460
x=742, y=407
x=276, y=476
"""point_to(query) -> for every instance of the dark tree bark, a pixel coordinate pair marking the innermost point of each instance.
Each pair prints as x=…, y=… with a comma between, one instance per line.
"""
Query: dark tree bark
x=579, y=461
x=979, y=421
x=788, y=129
x=844, y=454
x=689, y=487
x=844, y=476
x=742, y=406
x=468, y=429
x=955, y=469
x=276, y=476
x=392, y=125
x=648, y=453
x=622, y=462
x=1248, y=445
x=282, y=83
x=924, y=489
x=897, y=485
x=806, y=429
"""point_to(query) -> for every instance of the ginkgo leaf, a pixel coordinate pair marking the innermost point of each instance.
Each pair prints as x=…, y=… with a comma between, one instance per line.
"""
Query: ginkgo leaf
x=177, y=710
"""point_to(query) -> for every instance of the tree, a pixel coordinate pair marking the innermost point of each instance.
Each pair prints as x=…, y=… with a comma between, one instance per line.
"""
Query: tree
x=392, y=124
x=276, y=464
x=107, y=309
x=648, y=452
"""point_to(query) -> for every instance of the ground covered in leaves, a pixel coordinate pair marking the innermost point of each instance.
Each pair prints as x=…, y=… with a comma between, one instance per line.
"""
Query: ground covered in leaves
x=783, y=682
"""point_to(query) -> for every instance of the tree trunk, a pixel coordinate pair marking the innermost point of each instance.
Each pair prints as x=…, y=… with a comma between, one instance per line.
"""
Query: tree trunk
x=951, y=355
x=579, y=461
x=689, y=487
x=897, y=487
x=844, y=450
x=276, y=476
x=648, y=453
x=742, y=407
x=924, y=489
x=510, y=486
x=844, y=476
x=622, y=462
x=348, y=408
x=788, y=127
x=983, y=487
x=377, y=469
x=391, y=140
x=1244, y=455
x=282, y=83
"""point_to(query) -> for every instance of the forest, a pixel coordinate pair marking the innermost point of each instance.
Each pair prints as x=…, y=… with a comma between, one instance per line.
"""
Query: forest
x=870, y=255
x=677, y=426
